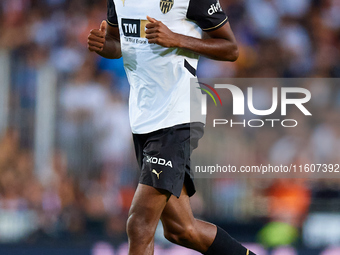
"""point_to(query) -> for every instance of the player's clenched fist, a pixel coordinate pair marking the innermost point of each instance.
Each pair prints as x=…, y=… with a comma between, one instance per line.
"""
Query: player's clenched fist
x=157, y=32
x=96, y=38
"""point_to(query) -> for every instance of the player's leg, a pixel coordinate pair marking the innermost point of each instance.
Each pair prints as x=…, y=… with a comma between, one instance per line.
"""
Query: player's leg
x=158, y=154
x=147, y=206
x=180, y=227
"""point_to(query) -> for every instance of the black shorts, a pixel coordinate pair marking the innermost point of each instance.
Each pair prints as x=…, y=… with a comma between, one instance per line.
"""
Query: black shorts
x=164, y=157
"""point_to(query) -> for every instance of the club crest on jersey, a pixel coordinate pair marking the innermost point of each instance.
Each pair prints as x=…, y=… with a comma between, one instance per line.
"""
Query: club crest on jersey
x=166, y=5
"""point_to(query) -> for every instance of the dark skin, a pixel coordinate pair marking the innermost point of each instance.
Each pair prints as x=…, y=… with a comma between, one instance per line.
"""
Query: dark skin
x=105, y=41
x=150, y=204
x=219, y=44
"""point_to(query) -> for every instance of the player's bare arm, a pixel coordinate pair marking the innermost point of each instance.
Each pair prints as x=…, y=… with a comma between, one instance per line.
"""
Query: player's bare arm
x=219, y=44
x=105, y=41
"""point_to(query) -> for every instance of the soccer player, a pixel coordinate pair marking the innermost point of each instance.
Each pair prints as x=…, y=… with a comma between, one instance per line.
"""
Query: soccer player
x=160, y=41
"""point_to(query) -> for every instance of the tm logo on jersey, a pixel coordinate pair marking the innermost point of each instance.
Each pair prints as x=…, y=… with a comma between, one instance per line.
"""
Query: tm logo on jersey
x=159, y=161
x=215, y=8
x=134, y=27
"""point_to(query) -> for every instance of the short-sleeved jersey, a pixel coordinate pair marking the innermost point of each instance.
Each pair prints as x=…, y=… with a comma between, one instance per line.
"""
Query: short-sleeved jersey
x=159, y=77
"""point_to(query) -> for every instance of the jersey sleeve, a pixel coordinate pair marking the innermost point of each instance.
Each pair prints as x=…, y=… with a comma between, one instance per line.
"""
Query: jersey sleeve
x=208, y=14
x=111, y=14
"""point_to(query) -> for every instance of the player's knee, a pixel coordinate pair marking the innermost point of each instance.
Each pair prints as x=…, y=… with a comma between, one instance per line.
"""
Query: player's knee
x=181, y=236
x=138, y=229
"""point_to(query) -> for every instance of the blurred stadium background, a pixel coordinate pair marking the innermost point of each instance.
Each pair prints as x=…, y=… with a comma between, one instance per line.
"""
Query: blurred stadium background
x=67, y=166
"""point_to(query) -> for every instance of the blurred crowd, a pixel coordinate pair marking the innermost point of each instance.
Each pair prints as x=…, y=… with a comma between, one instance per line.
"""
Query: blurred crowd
x=94, y=170
x=67, y=207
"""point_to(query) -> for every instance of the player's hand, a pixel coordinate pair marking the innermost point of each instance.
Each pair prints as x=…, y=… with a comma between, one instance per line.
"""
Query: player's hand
x=96, y=38
x=157, y=32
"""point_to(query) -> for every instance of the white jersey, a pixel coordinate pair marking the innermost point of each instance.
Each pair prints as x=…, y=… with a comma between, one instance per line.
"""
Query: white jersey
x=160, y=77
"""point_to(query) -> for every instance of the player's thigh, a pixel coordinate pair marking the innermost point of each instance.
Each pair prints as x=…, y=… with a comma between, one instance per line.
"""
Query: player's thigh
x=147, y=205
x=177, y=215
